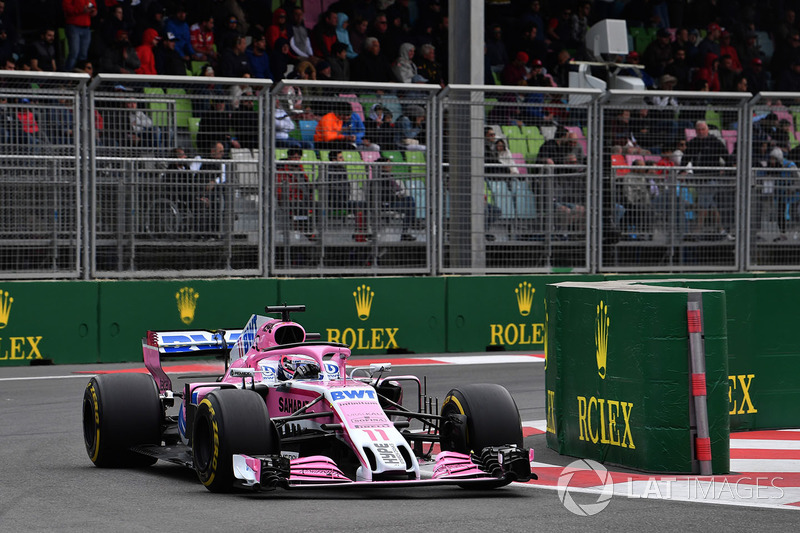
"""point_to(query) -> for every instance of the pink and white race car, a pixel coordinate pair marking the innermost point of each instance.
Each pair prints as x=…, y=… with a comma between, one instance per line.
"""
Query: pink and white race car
x=287, y=414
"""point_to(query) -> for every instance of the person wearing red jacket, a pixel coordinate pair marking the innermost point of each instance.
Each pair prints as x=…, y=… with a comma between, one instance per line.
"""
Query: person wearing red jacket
x=329, y=135
x=78, y=20
x=150, y=39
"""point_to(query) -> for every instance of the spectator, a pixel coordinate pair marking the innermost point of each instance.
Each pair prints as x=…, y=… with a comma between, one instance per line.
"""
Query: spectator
x=531, y=45
x=343, y=36
x=293, y=192
x=355, y=126
x=330, y=134
x=338, y=192
x=42, y=53
x=383, y=31
x=786, y=52
x=560, y=70
x=371, y=65
x=680, y=69
x=284, y=125
x=147, y=58
x=750, y=50
x=710, y=72
x=658, y=54
x=233, y=63
x=121, y=58
x=559, y=30
x=299, y=40
x=280, y=59
x=227, y=36
x=130, y=127
x=324, y=34
x=215, y=126
x=727, y=74
x=709, y=45
x=258, y=59
x=358, y=33
x=202, y=38
x=168, y=61
x=178, y=26
x=505, y=159
x=404, y=68
x=787, y=194
x=213, y=172
x=681, y=41
x=496, y=51
x=692, y=50
x=428, y=67
x=380, y=126
x=410, y=130
x=339, y=64
x=579, y=23
x=790, y=80
x=516, y=72
x=112, y=23
x=8, y=48
x=757, y=77
x=386, y=193
x=725, y=48
x=78, y=16
x=706, y=153
x=278, y=29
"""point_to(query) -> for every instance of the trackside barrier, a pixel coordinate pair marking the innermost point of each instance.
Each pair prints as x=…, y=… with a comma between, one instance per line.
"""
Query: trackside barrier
x=763, y=350
x=88, y=322
x=618, y=379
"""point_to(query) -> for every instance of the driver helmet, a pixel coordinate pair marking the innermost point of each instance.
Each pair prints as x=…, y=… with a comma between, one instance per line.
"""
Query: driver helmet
x=298, y=367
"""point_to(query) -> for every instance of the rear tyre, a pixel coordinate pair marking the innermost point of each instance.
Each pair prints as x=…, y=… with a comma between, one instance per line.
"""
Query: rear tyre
x=492, y=418
x=121, y=411
x=228, y=422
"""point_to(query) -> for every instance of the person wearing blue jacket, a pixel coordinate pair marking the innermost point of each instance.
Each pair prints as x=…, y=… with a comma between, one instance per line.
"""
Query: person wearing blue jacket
x=258, y=58
x=355, y=126
x=178, y=26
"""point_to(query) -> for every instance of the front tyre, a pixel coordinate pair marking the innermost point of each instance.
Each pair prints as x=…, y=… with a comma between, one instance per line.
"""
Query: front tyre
x=228, y=422
x=121, y=411
x=477, y=416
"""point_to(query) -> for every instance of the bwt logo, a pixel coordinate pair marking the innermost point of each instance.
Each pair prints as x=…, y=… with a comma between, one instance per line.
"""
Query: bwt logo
x=352, y=395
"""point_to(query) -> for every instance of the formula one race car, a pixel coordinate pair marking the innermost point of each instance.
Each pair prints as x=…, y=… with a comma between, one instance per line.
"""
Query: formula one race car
x=286, y=414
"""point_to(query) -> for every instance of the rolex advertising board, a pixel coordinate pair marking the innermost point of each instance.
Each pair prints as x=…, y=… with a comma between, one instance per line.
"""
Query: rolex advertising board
x=504, y=313
x=132, y=308
x=47, y=322
x=617, y=375
x=373, y=315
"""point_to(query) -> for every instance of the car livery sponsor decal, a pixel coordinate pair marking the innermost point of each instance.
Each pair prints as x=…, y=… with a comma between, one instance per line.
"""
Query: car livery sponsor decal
x=268, y=370
x=389, y=454
x=290, y=405
x=332, y=371
x=360, y=408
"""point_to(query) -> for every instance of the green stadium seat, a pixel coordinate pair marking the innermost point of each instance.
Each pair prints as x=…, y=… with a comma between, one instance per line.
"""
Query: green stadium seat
x=194, y=127
x=515, y=141
x=183, y=106
x=159, y=111
x=420, y=163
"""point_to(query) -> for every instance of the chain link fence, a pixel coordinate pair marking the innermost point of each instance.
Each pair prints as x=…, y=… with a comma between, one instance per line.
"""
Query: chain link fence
x=671, y=180
x=41, y=175
x=137, y=176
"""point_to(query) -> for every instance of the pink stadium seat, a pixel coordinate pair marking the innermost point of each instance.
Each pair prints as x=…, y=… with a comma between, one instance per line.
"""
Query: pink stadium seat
x=690, y=133
x=629, y=159
x=355, y=104
x=519, y=159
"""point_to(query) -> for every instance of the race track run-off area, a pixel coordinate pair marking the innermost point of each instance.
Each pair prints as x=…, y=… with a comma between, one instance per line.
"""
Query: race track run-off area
x=765, y=465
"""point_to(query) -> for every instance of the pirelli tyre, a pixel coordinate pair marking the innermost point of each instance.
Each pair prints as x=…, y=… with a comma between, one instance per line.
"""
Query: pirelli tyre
x=479, y=415
x=121, y=411
x=229, y=421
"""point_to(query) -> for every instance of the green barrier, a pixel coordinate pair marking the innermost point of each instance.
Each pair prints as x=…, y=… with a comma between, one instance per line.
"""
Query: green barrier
x=764, y=353
x=498, y=312
x=44, y=322
x=617, y=375
x=131, y=308
x=374, y=315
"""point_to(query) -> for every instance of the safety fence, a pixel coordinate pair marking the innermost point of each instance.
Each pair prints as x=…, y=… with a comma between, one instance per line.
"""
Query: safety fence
x=123, y=176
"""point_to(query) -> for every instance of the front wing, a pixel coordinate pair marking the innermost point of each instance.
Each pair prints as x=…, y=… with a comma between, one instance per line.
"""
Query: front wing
x=493, y=467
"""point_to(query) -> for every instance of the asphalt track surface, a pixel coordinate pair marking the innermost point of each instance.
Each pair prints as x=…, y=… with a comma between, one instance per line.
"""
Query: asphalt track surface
x=47, y=482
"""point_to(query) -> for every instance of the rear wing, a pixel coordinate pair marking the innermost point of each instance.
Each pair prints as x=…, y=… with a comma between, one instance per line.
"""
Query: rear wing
x=160, y=345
